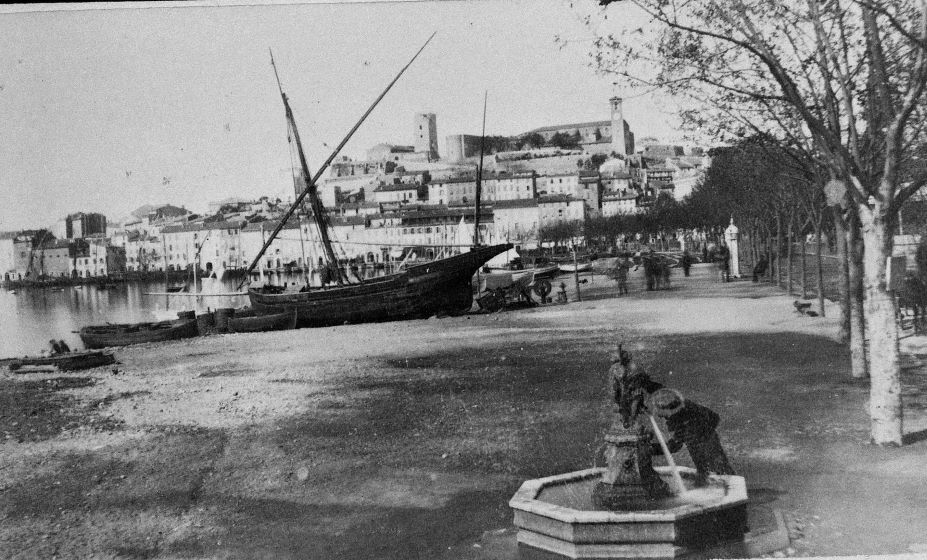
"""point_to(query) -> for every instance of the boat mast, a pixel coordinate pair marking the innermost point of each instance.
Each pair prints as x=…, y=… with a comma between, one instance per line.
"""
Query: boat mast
x=315, y=202
x=479, y=178
x=318, y=210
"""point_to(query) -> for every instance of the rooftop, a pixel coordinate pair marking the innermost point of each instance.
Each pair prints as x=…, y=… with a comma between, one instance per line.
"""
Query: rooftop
x=398, y=187
x=517, y=203
x=200, y=226
x=553, y=128
x=555, y=198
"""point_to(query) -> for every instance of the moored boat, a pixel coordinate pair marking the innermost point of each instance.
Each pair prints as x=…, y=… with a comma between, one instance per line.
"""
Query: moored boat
x=104, y=336
x=253, y=321
x=70, y=361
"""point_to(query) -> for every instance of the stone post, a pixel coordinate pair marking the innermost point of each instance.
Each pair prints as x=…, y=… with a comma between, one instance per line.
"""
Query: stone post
x=732, y=237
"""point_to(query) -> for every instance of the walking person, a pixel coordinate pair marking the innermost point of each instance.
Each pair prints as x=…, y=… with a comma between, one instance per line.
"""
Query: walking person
x=694, y=426
x=686, y=262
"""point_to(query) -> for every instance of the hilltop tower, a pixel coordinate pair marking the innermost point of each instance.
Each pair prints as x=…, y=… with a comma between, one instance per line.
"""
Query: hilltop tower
x=426, y=134
x=619, y=145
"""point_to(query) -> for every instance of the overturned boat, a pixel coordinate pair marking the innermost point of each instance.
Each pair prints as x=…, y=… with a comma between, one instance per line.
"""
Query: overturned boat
x=69, y=361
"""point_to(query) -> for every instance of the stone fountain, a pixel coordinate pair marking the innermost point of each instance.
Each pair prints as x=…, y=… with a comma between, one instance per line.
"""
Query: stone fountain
x=629, y=508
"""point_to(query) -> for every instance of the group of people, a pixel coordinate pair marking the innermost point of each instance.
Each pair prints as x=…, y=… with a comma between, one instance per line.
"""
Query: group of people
x=657, y=269
x=56, y=347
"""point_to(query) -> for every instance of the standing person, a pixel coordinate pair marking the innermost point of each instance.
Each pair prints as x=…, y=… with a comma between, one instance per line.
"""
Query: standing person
x=694, y=426
x=723, y=258
x=621, y=275
x=760, y=268
x=651, y=270
x=664, y=273
x=686, y=262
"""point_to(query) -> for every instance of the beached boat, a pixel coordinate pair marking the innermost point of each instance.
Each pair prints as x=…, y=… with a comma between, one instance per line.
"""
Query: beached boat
x=104, y=336
x=253, y=321
x=70, y=361
x=421, y=290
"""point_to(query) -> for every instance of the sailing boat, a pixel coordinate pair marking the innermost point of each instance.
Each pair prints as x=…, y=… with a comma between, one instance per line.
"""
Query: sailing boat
x=419, y=291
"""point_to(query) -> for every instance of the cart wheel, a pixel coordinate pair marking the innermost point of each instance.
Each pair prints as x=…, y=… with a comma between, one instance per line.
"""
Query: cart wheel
x=542, y=288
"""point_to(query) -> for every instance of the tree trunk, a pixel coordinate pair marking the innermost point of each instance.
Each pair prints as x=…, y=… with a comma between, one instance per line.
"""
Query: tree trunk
x=885, y=411
x=769, y=251
x=778, y=251
x=788, y=265
x=820, y=264
x=804, y=269
x=859, y=363
x=843, y=280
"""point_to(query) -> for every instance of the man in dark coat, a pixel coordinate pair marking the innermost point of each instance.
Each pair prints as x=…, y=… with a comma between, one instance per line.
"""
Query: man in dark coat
x=692, y=425
x=723, y=258
x=686, y=262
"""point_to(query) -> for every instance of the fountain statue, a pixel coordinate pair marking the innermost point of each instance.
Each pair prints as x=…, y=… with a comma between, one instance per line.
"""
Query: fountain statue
x=629, y=480
x=630, y=507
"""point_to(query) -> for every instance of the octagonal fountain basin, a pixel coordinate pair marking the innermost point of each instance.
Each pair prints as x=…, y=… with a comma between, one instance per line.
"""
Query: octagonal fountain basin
x=556, y=518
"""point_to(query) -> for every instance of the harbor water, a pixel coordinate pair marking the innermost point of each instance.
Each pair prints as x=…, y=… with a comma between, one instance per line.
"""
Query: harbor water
x=33, y=316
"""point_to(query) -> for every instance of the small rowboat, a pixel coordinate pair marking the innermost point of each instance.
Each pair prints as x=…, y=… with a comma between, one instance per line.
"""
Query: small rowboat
x=70, y=361
x=578, y=267
x=251, y=321
x=103, y=336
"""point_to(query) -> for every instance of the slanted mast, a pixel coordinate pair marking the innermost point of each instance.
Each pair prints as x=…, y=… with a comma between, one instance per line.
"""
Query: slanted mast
x=317, y=209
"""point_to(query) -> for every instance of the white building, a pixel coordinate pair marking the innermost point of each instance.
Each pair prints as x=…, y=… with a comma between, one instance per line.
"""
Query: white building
x=517, y=221
x=452, y=191
x=570, y=184
x=560, y=208
x=614, y=204
x=403, y=193
x=215, y=244
x=7, y=255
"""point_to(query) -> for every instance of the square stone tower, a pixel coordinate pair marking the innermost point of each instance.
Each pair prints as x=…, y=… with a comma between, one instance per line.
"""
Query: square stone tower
x=618, y=140
x=426, y=134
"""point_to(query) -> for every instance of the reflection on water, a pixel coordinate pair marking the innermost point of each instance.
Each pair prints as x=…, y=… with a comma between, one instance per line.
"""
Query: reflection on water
x=33, y=316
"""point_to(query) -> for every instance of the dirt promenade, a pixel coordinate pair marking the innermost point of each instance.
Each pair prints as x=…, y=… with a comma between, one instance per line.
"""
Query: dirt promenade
x=406, y=440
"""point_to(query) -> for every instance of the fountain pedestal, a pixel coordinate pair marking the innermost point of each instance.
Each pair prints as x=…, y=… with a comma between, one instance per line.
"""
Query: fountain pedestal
x=556, y=518
x=629, y=481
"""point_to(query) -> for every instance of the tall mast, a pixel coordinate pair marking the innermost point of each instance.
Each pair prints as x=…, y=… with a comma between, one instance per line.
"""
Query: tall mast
x=479, y=178
x=315, y=202
x=317, y=208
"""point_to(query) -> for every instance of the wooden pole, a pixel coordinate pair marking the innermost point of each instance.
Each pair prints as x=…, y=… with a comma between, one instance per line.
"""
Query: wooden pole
x=576, y=274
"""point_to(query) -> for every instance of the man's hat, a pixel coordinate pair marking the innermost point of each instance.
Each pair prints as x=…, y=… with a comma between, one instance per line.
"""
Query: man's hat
x=666, y=402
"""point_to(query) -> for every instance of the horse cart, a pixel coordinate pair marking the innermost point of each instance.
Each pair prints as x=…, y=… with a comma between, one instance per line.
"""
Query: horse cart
x=499, y=290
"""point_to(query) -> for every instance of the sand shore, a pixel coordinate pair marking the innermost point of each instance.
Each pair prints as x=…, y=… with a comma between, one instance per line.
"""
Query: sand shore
x=406, y=440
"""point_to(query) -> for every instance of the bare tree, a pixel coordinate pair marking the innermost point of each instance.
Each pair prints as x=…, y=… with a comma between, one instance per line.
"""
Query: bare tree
x=850, y=73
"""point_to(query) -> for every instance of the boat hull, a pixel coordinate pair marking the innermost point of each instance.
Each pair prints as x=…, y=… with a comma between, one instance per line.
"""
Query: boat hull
x=262, y=323
x=124, y=335
x=71, y=361
x=419, y=292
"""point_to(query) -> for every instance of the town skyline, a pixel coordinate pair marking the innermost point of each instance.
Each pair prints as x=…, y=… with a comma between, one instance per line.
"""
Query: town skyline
x=147, y=111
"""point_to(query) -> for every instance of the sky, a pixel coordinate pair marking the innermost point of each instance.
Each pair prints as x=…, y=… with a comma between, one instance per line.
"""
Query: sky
x=104, y=110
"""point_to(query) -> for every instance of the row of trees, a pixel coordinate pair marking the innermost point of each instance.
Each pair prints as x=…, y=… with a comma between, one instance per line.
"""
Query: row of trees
x=839, y=85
